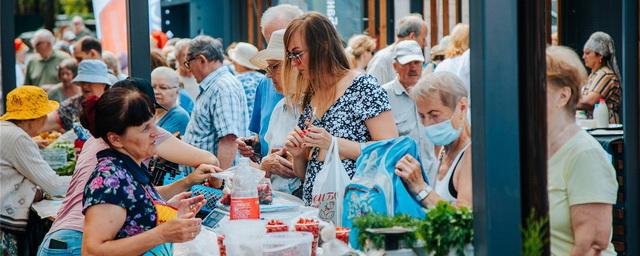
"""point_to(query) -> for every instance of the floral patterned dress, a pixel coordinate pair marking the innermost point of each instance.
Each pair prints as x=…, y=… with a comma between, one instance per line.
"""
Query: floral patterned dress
x=118, y=180
x=363, y=100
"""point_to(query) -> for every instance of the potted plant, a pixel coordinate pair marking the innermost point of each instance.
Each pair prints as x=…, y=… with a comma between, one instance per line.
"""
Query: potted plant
x=447, y=230
x=381, y=232
x=533, y=235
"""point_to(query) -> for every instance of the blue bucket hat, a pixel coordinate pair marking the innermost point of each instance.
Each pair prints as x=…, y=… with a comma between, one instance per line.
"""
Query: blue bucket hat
x=92, y=71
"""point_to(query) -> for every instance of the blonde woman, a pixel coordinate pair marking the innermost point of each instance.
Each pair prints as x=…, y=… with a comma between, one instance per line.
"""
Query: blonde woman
x=360, y=51
x=457, y=55
x=582, y=183
x=336, y=101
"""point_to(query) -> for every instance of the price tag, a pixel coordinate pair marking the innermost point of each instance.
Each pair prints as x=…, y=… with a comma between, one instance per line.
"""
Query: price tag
x=55, y=157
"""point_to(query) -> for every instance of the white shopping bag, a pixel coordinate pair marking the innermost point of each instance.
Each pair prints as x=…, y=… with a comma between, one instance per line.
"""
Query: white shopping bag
x=328, y=188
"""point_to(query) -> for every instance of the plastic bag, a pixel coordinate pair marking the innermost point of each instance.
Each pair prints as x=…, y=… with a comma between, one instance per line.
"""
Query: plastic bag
x=243, y=237
x=328, y=190
x=201, y=245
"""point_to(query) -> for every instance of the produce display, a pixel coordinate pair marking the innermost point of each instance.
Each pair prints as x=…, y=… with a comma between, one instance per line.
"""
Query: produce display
x=68, y=168
x=47, y=138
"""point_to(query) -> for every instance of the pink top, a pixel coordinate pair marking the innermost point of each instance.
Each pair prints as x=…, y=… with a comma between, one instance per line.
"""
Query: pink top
x=70, y=214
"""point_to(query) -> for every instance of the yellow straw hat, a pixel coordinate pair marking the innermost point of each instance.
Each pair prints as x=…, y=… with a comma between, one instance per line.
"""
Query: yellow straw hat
x=28, y=102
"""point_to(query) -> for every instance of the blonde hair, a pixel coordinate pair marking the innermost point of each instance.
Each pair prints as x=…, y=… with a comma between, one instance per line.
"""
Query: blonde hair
x=358, y=45
x=327, y=60
x=444, y=84
x=459, y=40
x=564, y=69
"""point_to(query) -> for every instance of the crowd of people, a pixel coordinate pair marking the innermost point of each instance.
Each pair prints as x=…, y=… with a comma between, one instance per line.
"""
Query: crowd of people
x=281, y=107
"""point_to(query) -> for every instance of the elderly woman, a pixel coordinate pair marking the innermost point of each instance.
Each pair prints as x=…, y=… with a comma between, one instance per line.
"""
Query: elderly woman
x=166, y=86
x=604, y=80
x=336, y=101
x=67, y=70
x=22, y=168
x=68, y=227
x=360, y=51
x=582, y=183
x=124, y=213
x=284, y=118
x=442, y=105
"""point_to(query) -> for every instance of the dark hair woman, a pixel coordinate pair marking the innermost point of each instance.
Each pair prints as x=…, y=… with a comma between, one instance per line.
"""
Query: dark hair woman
x=124, y=213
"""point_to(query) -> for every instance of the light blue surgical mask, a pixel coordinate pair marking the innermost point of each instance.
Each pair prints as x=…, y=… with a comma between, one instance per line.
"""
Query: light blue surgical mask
x=443, y=133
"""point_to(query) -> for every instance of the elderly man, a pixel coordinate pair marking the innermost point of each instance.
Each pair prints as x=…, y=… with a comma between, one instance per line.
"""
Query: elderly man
x=412, y=27
x=79, y=29
x=87, y=48
x=43, y=68
x=220, y=115
x=166, y=85
x=274, y=18
x=407, y=63
x=93, y=78
x=186, y=78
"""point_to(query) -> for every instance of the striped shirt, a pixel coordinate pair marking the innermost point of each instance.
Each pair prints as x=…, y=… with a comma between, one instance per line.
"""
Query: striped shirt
x=605, y=83
x=220, y=110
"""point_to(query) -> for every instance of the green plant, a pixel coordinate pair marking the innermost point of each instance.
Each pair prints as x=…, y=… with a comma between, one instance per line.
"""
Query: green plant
x=533, y=235
x=447, y=227
x=374, y=220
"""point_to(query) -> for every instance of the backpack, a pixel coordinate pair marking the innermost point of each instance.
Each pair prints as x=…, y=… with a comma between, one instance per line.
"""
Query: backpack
x=375, y=188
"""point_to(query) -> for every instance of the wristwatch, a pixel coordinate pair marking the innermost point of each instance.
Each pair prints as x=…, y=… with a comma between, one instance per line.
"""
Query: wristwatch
x=424, y=193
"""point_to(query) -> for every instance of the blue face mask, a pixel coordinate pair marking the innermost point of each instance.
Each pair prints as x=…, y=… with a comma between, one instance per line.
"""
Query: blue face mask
x=442, y=133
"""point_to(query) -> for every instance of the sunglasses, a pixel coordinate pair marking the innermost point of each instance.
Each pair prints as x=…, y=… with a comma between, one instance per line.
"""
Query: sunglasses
x=297, y=55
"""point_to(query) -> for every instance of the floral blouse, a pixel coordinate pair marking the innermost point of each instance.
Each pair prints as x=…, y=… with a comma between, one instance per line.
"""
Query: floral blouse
x=118, y=180
x=363, y=100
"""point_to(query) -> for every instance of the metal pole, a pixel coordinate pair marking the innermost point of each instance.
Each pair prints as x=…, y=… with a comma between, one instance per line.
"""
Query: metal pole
x=138, y=35
x=7, y=26
x=533, y=121
x=631, y=95
x=495, y=127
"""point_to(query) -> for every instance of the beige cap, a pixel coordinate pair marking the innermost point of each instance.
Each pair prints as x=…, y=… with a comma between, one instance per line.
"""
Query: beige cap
x=242, y=54
x=274, y=51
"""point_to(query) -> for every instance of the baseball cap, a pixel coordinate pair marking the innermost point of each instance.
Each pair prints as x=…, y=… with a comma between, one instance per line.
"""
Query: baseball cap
x=408, y=51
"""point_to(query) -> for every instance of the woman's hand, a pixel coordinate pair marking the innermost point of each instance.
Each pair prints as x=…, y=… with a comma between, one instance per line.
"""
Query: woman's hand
x=409, y=170
x=185, y=203
x=277, y=163
x=317, y=137
x=202, y=174
x=245, y=149
x=295, y=141
x=182, y=229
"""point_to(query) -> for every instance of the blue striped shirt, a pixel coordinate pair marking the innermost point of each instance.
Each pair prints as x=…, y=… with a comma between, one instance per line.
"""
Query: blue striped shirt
x=220, y=110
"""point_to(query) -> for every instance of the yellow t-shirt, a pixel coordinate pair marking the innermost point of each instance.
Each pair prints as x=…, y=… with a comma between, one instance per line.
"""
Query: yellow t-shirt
x=579, y=173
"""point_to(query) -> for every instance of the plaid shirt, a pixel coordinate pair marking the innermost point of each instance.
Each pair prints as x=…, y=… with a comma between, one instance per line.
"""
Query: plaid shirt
x=220, y=110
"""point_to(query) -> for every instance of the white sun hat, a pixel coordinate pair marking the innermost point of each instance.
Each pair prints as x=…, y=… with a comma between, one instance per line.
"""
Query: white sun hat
x=242, y=54
x=274, y=51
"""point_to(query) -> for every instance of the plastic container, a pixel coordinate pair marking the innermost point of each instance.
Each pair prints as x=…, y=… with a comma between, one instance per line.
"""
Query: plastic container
x=244, y=193
x=601, y=114
x=287, y=243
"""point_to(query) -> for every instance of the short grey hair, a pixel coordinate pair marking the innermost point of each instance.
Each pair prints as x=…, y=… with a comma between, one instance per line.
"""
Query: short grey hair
x=42, y=35
x=168, y=74
x=410, y=24
x=209, y=47
x=447, y=85
x=281, y=12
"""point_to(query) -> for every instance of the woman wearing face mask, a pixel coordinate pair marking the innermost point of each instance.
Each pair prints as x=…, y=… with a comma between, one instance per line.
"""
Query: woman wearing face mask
x=442, y=104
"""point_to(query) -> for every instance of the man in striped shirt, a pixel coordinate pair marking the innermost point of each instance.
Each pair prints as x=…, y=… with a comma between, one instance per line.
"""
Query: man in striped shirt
x=220, y=114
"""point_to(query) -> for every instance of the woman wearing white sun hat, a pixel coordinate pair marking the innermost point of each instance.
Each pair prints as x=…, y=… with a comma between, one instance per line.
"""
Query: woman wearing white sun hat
x=246, y=72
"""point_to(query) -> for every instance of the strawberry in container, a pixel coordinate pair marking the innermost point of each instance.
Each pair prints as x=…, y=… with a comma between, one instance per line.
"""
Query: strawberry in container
x=223, y=250
x=276, y=226
x=312, y=226
x=264, y=191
